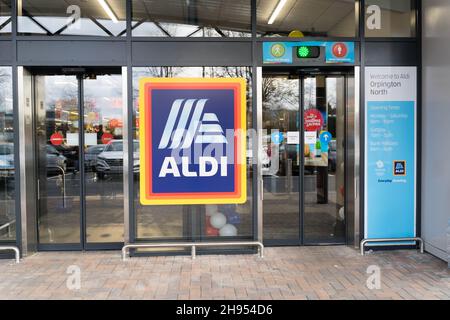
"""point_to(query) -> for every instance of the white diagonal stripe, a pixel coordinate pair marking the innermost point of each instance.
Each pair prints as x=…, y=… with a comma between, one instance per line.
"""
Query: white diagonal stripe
x=170, y=123
x=193, y=125
x=178, y=133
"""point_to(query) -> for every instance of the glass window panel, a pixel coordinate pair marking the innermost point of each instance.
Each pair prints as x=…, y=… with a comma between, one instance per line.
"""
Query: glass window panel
x=76, y=17
x=5, y=17
x=389, y=18
x=7, y=190
x=310, y=18
x=103, y=160
x=190, y=221
x=202, y=18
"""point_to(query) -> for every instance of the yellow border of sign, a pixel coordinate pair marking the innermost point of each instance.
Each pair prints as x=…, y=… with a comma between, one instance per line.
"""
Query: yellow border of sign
x=242, y=156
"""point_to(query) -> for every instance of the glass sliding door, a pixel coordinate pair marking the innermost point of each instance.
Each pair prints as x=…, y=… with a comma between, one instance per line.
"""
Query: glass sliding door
x=79, y=146
x=281, y=159
x=303, y=158
x=58, y=154
x=103, y=158
x=324, y=154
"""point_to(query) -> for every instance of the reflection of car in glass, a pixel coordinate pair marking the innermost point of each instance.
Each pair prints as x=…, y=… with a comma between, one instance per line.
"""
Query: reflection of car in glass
x=332, y=156
x=71, y=154
x=90, y=156
x=7, y=161
x=110, y=161
x=55, y=161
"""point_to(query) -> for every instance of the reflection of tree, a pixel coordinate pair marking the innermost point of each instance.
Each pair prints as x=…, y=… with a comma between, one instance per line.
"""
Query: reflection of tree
x=201, y=72
x=280, y=94
x=229, y=72
x=268, y=88
x=5, y=88
x=162, y=72
x=6, y=117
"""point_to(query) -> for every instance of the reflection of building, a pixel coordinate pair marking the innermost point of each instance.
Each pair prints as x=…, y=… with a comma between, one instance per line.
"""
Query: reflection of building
x=60, y=114
x=7, y=126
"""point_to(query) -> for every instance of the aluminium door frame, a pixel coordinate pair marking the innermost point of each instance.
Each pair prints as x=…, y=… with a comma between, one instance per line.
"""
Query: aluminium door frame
x=260, y=207
x=83, y=245
x=301, y=239
x=56, y=246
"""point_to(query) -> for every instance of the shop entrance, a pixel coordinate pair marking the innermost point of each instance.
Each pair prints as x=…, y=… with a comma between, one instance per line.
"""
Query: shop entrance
x=78, y=125
x=304, y=147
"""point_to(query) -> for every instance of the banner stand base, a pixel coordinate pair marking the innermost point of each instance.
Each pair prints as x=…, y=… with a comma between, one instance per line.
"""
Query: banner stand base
x=365, y=241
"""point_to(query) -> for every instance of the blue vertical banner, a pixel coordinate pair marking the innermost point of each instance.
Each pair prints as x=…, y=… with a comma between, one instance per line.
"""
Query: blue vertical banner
x=390, y=148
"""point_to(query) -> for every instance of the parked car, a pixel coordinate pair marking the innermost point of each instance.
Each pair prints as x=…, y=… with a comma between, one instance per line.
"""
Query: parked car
x=56, y=162
x=90, y=156
x=110, y=161
x=71, y=153
x=7, y=161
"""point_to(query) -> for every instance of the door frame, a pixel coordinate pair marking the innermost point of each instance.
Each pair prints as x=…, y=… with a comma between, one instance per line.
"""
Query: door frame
x=303, y=73
x=80, y=74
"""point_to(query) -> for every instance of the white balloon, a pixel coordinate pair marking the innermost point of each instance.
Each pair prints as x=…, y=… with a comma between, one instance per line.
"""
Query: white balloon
x=210, y=209
x=228, y=230
x=218, y=220
x=342, y=213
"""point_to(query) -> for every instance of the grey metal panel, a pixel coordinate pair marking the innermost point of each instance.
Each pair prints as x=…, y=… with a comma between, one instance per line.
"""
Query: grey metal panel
x=259, y=148
x=351, y=173
x=66, y=53
x=126, y=159
x=197, y=53
x=435, y=119
x=27, y=163
x=398, y=53
x=357, y=159
x=6, y=53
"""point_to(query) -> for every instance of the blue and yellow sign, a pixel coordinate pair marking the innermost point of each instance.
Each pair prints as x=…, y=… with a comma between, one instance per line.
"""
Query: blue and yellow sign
x=192, y=141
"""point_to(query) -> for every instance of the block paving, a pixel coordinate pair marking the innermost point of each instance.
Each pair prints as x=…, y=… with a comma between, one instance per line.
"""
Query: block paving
x=334, y=272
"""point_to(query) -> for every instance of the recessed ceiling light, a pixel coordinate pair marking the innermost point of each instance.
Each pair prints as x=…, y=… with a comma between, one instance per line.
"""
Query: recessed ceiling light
x=277, y=11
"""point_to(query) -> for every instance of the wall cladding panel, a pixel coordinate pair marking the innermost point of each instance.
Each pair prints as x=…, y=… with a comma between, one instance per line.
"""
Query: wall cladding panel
x=391, y=53
x=66, y=53
x=5, y=53
x=197, y=53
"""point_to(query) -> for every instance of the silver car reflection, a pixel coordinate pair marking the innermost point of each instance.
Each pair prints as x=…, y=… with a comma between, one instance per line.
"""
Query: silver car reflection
x=90, y=156
x=110, y=161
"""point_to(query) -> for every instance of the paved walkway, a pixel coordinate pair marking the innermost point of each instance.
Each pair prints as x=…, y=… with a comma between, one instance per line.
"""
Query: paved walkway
x=285, y=273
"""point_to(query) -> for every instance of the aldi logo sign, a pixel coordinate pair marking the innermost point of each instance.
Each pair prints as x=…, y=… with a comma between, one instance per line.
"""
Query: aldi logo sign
x=399, y=168
x=192, y=141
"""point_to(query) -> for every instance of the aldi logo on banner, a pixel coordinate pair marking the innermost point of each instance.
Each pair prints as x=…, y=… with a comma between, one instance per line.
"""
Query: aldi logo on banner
x=192, y=141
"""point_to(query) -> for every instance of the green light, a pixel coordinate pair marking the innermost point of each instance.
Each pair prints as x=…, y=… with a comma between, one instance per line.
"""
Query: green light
x=303, y=52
